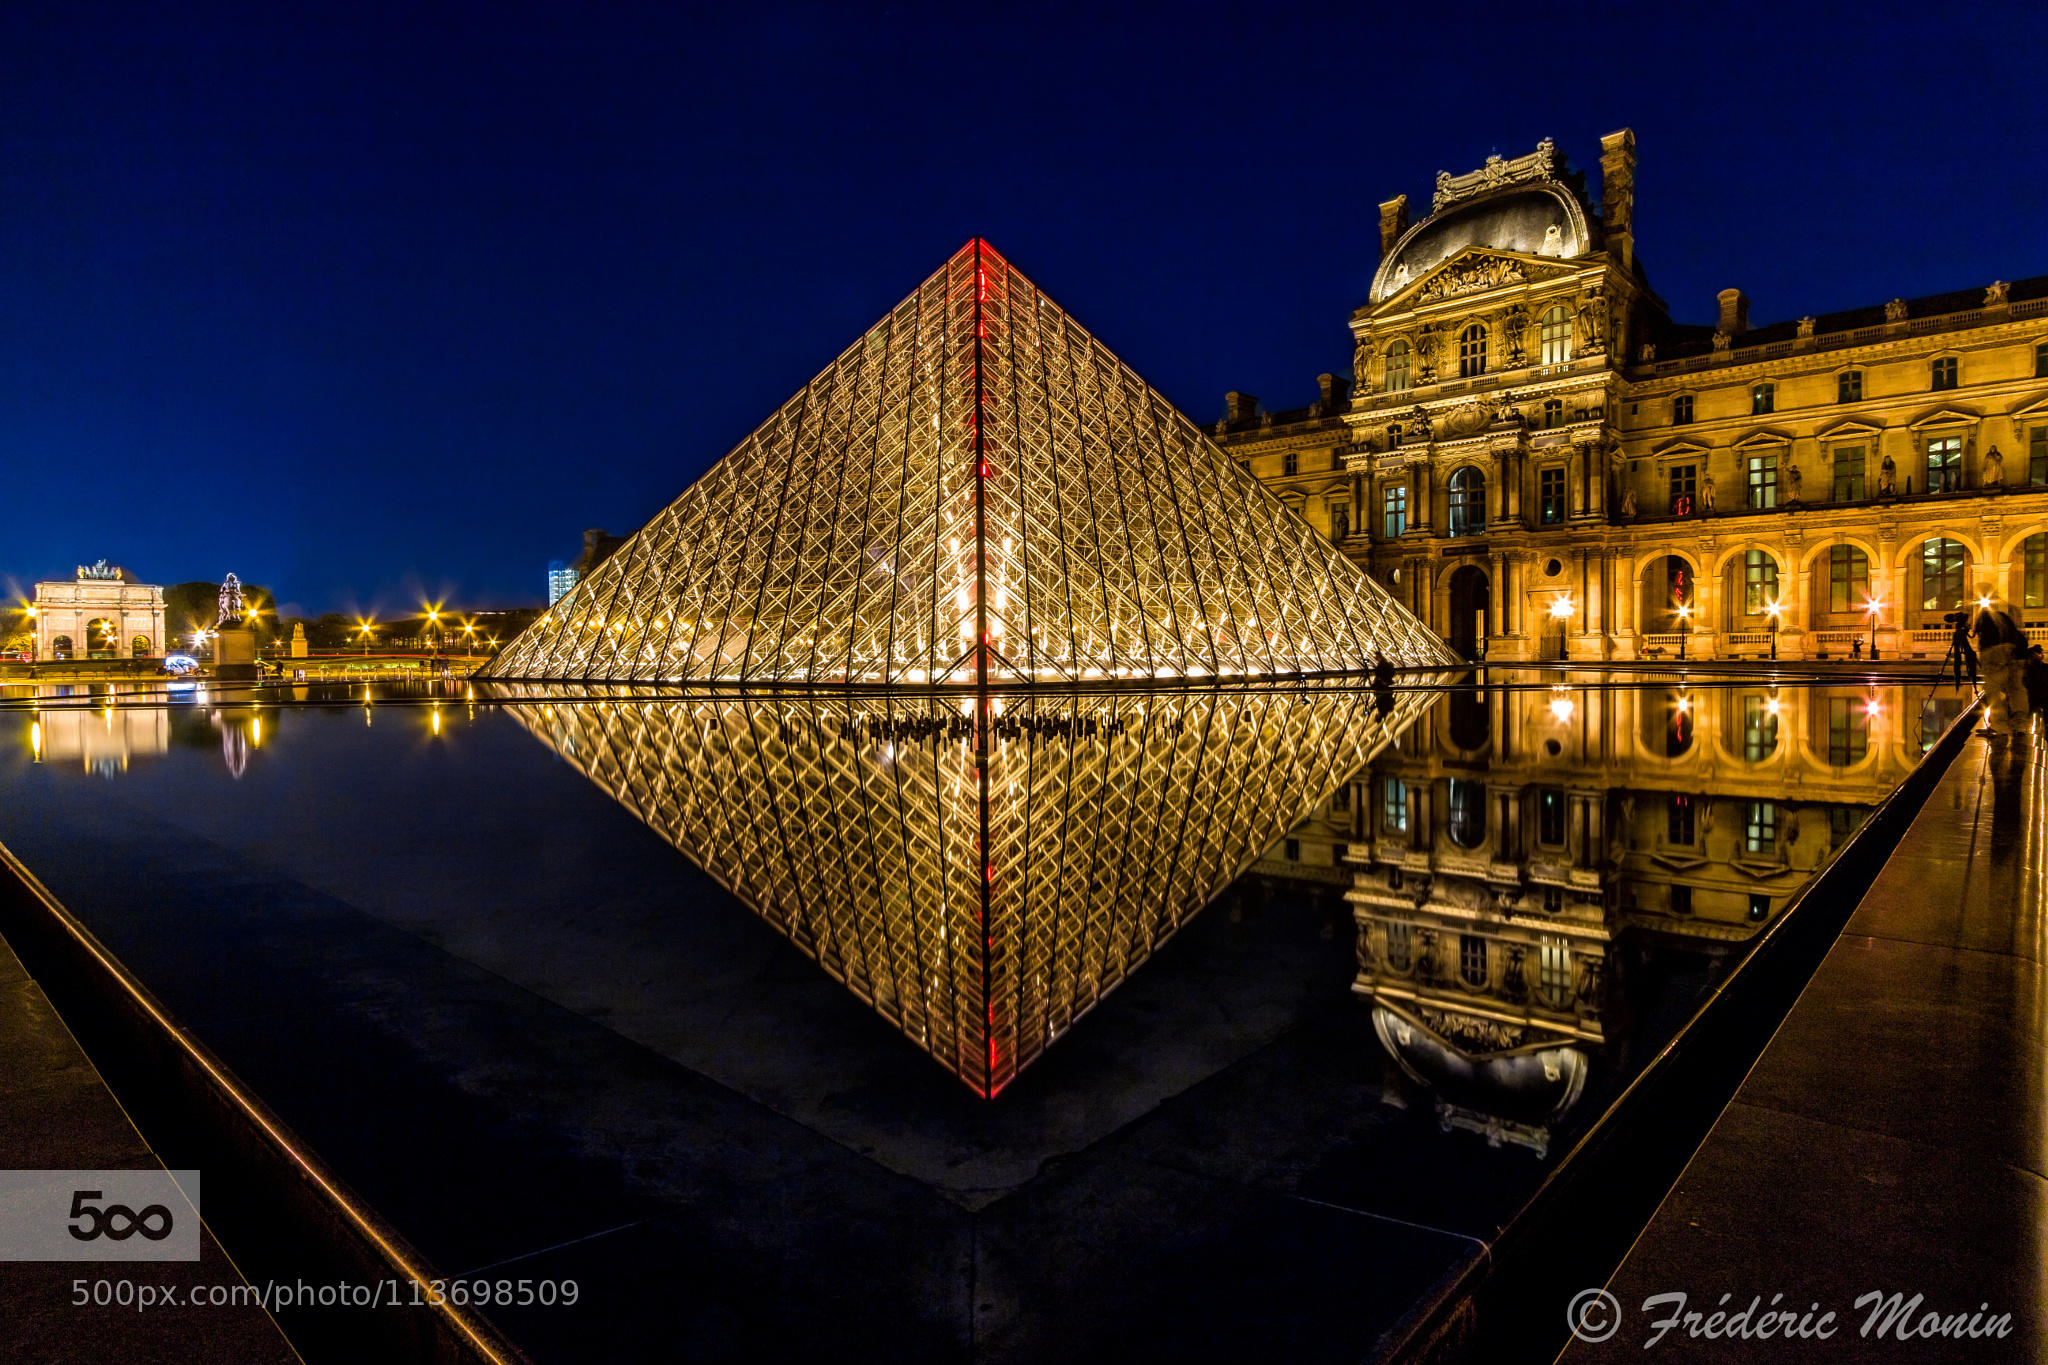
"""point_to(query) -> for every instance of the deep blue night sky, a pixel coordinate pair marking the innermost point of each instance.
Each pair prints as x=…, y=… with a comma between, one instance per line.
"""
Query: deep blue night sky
x=366, y=305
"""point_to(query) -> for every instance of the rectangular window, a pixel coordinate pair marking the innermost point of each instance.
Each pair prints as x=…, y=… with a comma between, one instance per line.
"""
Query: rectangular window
x=1848, y=578
x=1472, y=959
x=1759, y=729
x=1394, y=500
x=1763, y=398
x=1553, y=413
x=1551, y=495
x=1684, y=487
x=1942, y=565
x=1763, y=481
x=1245, y=465
x=1849, y=386
x=1945, y=464
x=1554, y=972
x=1340, y=801
x=1848, y=473
x=1550, y=811
x=2034, y=571
x=1290, y=463
x=1760, y=827
x=1681, y=410
x=1759, y=582
x=1944, y=373
x=1848, y=731
x=1681, y=900
x=1678, y=822
x=2037, y=455
x=1291, y=850
x=1395, y=807
x=1842, y=822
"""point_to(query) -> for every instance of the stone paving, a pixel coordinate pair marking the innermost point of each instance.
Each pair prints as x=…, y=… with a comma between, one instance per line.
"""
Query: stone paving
x=57, y=1114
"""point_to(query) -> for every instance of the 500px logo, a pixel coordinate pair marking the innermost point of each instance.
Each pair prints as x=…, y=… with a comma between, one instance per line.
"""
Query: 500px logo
x=117, y=1221
x=150, y=1215
x=1594, y=1315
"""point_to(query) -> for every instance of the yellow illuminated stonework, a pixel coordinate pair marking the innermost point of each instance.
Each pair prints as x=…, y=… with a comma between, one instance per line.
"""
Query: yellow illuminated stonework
x=1538, y=460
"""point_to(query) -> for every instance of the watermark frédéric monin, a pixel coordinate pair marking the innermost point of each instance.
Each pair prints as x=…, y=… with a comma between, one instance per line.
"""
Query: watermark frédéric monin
x=1594, y=1315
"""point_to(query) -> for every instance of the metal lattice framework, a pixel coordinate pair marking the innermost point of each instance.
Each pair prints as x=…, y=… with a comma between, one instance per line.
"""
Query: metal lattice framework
x=976, y=492
x=980, y=871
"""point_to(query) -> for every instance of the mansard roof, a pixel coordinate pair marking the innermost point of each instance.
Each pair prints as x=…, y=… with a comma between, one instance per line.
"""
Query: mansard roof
x=1688, y=339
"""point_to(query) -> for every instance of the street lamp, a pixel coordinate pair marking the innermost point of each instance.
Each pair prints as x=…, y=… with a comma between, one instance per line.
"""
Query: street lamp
x=1560, y=611
x=1776, y=609
x=1684, y=614
x=1873, y=606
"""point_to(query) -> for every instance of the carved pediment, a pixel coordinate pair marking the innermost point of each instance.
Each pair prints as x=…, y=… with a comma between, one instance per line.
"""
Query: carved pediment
x=1470, y=272
x=1764, y=436
x=1849, y=428
x=1944, y=417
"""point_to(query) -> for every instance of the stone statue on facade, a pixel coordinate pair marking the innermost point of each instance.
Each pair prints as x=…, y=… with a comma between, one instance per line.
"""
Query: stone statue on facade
x=1361, y=366
x=1806, y=327
x=1721, y=343
x=1895, y=311
x=1649, y=351
x=1793, y=479
x=1996, y=294
x=1707, y=495
x=1887, y=477
x=1994, y=468
x=1628, y=504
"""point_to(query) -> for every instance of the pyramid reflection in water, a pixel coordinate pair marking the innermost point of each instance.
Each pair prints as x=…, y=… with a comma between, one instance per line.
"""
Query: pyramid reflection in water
x=976, y=491
x=858, y=829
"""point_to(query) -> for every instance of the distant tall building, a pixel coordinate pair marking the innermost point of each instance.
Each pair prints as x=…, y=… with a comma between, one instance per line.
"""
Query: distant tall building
x=561, y=578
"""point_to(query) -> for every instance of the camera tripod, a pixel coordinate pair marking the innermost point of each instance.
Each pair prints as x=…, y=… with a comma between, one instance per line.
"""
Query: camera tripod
x=1961, y=656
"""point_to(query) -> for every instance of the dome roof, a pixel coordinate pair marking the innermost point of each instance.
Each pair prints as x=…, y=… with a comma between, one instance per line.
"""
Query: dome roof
x=1518, y=219
x=1526, y=1085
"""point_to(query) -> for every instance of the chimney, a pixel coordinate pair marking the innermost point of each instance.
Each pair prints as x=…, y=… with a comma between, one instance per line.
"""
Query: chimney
x=1618, y=194
x=1734, y=311
x=1240, y=407
x=1333, y=391
x=1393, y=222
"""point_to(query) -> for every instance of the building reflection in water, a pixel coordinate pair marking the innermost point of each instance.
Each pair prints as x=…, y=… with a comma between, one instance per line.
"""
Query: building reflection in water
x=1528, y=858
x=980, y=904
x=105, y=729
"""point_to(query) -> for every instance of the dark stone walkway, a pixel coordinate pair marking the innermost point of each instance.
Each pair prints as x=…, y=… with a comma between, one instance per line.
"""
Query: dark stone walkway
x=1894, y=1135
x=56, y=1114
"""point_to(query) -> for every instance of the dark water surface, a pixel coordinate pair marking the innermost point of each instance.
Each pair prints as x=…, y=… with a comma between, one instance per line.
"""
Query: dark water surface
x=456, y=946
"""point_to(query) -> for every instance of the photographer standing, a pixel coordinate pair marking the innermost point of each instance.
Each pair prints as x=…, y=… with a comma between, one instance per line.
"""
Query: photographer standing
x=2002, y=642
x=1959, y=646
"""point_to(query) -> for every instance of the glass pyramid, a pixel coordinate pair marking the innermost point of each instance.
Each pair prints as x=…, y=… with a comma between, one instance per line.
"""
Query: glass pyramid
x=976, y=492
x=979, y=870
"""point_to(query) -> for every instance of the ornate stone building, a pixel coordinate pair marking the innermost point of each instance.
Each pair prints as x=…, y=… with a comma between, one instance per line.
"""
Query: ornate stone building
x=102, y=614
x=1543, y=464
x=1523, y=849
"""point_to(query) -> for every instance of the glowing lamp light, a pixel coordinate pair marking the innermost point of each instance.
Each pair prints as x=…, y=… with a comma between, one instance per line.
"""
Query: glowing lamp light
x=1562, y=707
x=1984, y=604
x=1562, y=606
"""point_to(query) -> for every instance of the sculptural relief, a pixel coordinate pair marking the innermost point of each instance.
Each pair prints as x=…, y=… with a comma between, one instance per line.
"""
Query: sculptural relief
x=1895, y=311
x=1996, y=294
x=1887, y=477
x=1468, y=276
x=1994, y=468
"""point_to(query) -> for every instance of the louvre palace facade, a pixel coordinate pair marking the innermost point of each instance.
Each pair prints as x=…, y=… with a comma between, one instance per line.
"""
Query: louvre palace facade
x=1543, y=464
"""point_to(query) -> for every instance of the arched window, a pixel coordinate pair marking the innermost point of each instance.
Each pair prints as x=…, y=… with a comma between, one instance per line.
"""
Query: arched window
x=1467, y=823
x=1472, y=352
x=1397, y=367
x=1468, y=502
x=60, y=647
x=1759, y=582
x=1759, y=728
x=139, y=646
x=1557, y=336
x=2034, y=571
x=1943, y=564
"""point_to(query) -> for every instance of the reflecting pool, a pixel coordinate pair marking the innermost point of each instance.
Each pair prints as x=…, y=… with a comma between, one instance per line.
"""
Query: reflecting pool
x=1291, y=997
